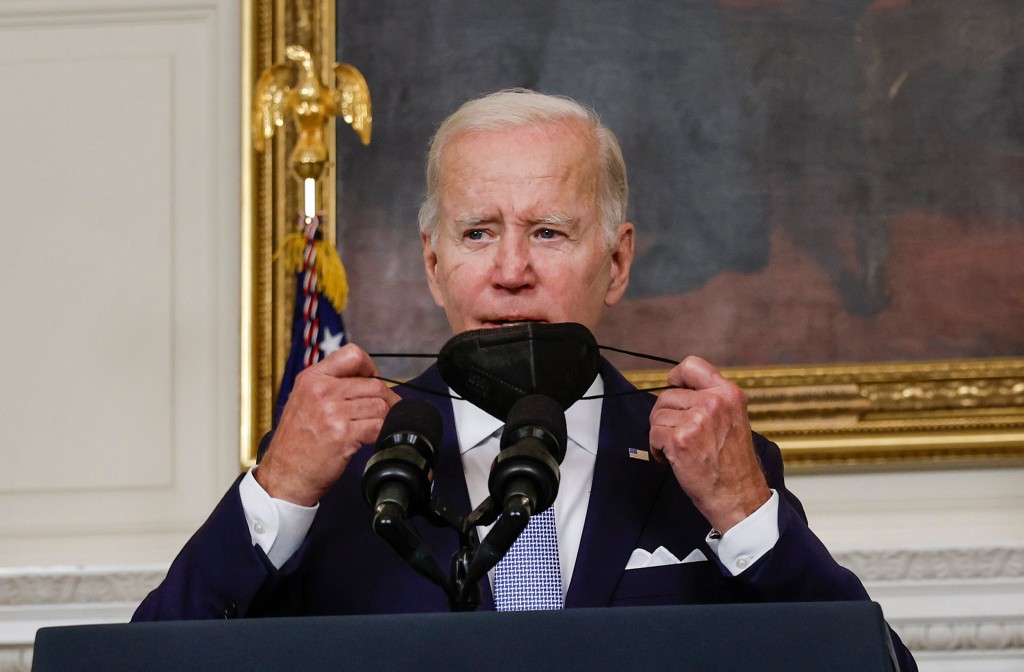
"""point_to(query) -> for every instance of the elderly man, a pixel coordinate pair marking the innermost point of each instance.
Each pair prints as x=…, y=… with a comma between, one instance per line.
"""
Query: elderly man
x=524, y=221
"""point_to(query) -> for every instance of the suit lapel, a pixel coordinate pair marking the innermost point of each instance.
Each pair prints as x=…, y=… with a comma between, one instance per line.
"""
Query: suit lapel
x=621, y=497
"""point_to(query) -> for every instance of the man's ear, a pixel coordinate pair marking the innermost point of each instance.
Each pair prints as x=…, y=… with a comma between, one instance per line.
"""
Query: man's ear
x=622, y=261
x=430, y=265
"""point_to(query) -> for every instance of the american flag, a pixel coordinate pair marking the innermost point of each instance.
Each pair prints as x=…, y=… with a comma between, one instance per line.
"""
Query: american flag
x=639, y=454
x=321, y=290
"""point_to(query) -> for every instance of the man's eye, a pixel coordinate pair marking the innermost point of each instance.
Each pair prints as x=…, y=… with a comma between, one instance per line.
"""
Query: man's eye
x=547, y=234
x=475, y=234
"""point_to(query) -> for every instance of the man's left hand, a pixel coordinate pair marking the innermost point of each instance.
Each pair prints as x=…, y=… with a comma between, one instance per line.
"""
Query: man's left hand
x=700, y=428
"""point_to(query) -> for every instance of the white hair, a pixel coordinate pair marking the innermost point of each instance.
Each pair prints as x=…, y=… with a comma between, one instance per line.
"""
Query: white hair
x=513, y=108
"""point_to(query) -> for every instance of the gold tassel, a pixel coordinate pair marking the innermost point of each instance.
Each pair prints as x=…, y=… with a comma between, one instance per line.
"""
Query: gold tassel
x=331, y=279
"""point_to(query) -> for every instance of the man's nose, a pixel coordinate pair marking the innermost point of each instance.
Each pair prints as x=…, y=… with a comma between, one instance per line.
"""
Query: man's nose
x=513, y=268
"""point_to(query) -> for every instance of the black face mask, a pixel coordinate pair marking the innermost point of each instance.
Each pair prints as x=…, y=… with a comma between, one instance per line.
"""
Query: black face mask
x=494, y=368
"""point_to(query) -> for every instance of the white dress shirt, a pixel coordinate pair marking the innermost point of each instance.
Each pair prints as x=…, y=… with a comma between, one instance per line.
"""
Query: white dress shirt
x=279, y=527
x=479, y=435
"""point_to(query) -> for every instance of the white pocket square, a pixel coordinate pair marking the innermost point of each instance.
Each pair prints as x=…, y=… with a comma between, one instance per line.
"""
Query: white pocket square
x=640, y=559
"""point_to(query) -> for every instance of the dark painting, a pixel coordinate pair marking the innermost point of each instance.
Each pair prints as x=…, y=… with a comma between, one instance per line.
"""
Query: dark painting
x=813, y=182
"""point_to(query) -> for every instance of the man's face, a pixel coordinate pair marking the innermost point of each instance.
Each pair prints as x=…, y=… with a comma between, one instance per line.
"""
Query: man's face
x=520, y=237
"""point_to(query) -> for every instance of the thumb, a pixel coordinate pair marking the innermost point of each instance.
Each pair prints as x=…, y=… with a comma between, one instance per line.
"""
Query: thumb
x=347, y=362
x=695, y=373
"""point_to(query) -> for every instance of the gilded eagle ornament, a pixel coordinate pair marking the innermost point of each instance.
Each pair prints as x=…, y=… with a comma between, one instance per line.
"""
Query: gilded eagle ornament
x=295, y=89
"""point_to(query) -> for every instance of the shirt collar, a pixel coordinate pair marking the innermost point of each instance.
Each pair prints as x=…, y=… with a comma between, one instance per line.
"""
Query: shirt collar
x=582, y=421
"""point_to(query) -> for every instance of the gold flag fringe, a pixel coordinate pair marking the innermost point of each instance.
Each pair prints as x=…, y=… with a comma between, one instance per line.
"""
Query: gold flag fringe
x=331, y=279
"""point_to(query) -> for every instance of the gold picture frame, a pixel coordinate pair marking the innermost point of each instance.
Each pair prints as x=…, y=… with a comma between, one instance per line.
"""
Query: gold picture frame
x=860, y=416
x=270, y=202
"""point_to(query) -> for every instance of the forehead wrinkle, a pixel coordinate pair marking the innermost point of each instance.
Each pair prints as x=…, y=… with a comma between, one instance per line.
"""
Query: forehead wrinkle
x=471, y=176
x=557, y=219
x=468, y=221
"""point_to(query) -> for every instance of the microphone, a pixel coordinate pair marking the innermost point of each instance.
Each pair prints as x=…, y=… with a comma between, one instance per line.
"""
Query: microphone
x=398, y=475
x=524, y=478
x=532, y=447
x=396, y=481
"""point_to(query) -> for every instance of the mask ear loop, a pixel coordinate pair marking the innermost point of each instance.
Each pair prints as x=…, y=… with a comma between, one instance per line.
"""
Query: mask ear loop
x=641, y=355
x=445, y=395
x=418, y=388
x=639, y=390
x=406, y=384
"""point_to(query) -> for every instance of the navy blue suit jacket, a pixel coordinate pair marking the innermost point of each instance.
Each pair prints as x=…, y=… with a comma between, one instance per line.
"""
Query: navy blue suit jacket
x=344, y=568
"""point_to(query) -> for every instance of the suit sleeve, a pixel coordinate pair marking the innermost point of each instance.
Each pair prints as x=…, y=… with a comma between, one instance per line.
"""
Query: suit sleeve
x=799, y=567
x=220, y=573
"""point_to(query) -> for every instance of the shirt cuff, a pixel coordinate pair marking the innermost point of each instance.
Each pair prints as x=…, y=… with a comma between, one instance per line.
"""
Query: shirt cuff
x=748, y=540
x=275, y=525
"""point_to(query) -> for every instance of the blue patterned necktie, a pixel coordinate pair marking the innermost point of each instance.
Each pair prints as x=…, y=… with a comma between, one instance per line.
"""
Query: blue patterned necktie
x=529, y=576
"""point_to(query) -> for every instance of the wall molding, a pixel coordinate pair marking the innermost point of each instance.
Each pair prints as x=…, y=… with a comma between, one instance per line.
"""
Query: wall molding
x=939, y=564
x=123, y=12
x=985, y=634
x=70, y=585
x=17, y=658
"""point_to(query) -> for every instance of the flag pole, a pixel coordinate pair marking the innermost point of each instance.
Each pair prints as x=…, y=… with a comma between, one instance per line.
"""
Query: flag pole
x=309, y=198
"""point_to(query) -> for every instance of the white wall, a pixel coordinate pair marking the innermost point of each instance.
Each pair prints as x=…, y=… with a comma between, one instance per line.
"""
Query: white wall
x=119, y=265
x=119, y=239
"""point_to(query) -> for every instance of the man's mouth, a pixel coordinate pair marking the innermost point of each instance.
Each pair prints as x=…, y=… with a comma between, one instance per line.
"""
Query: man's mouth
x=507, y=322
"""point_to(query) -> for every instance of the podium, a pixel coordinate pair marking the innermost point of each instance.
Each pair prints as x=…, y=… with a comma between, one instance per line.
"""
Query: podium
x=834, y=636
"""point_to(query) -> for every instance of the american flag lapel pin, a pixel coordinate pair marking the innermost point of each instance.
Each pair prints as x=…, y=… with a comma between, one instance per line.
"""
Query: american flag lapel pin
x=639, y=454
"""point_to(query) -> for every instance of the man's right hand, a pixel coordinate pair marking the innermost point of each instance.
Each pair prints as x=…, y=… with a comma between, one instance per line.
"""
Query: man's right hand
x=334, y=409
